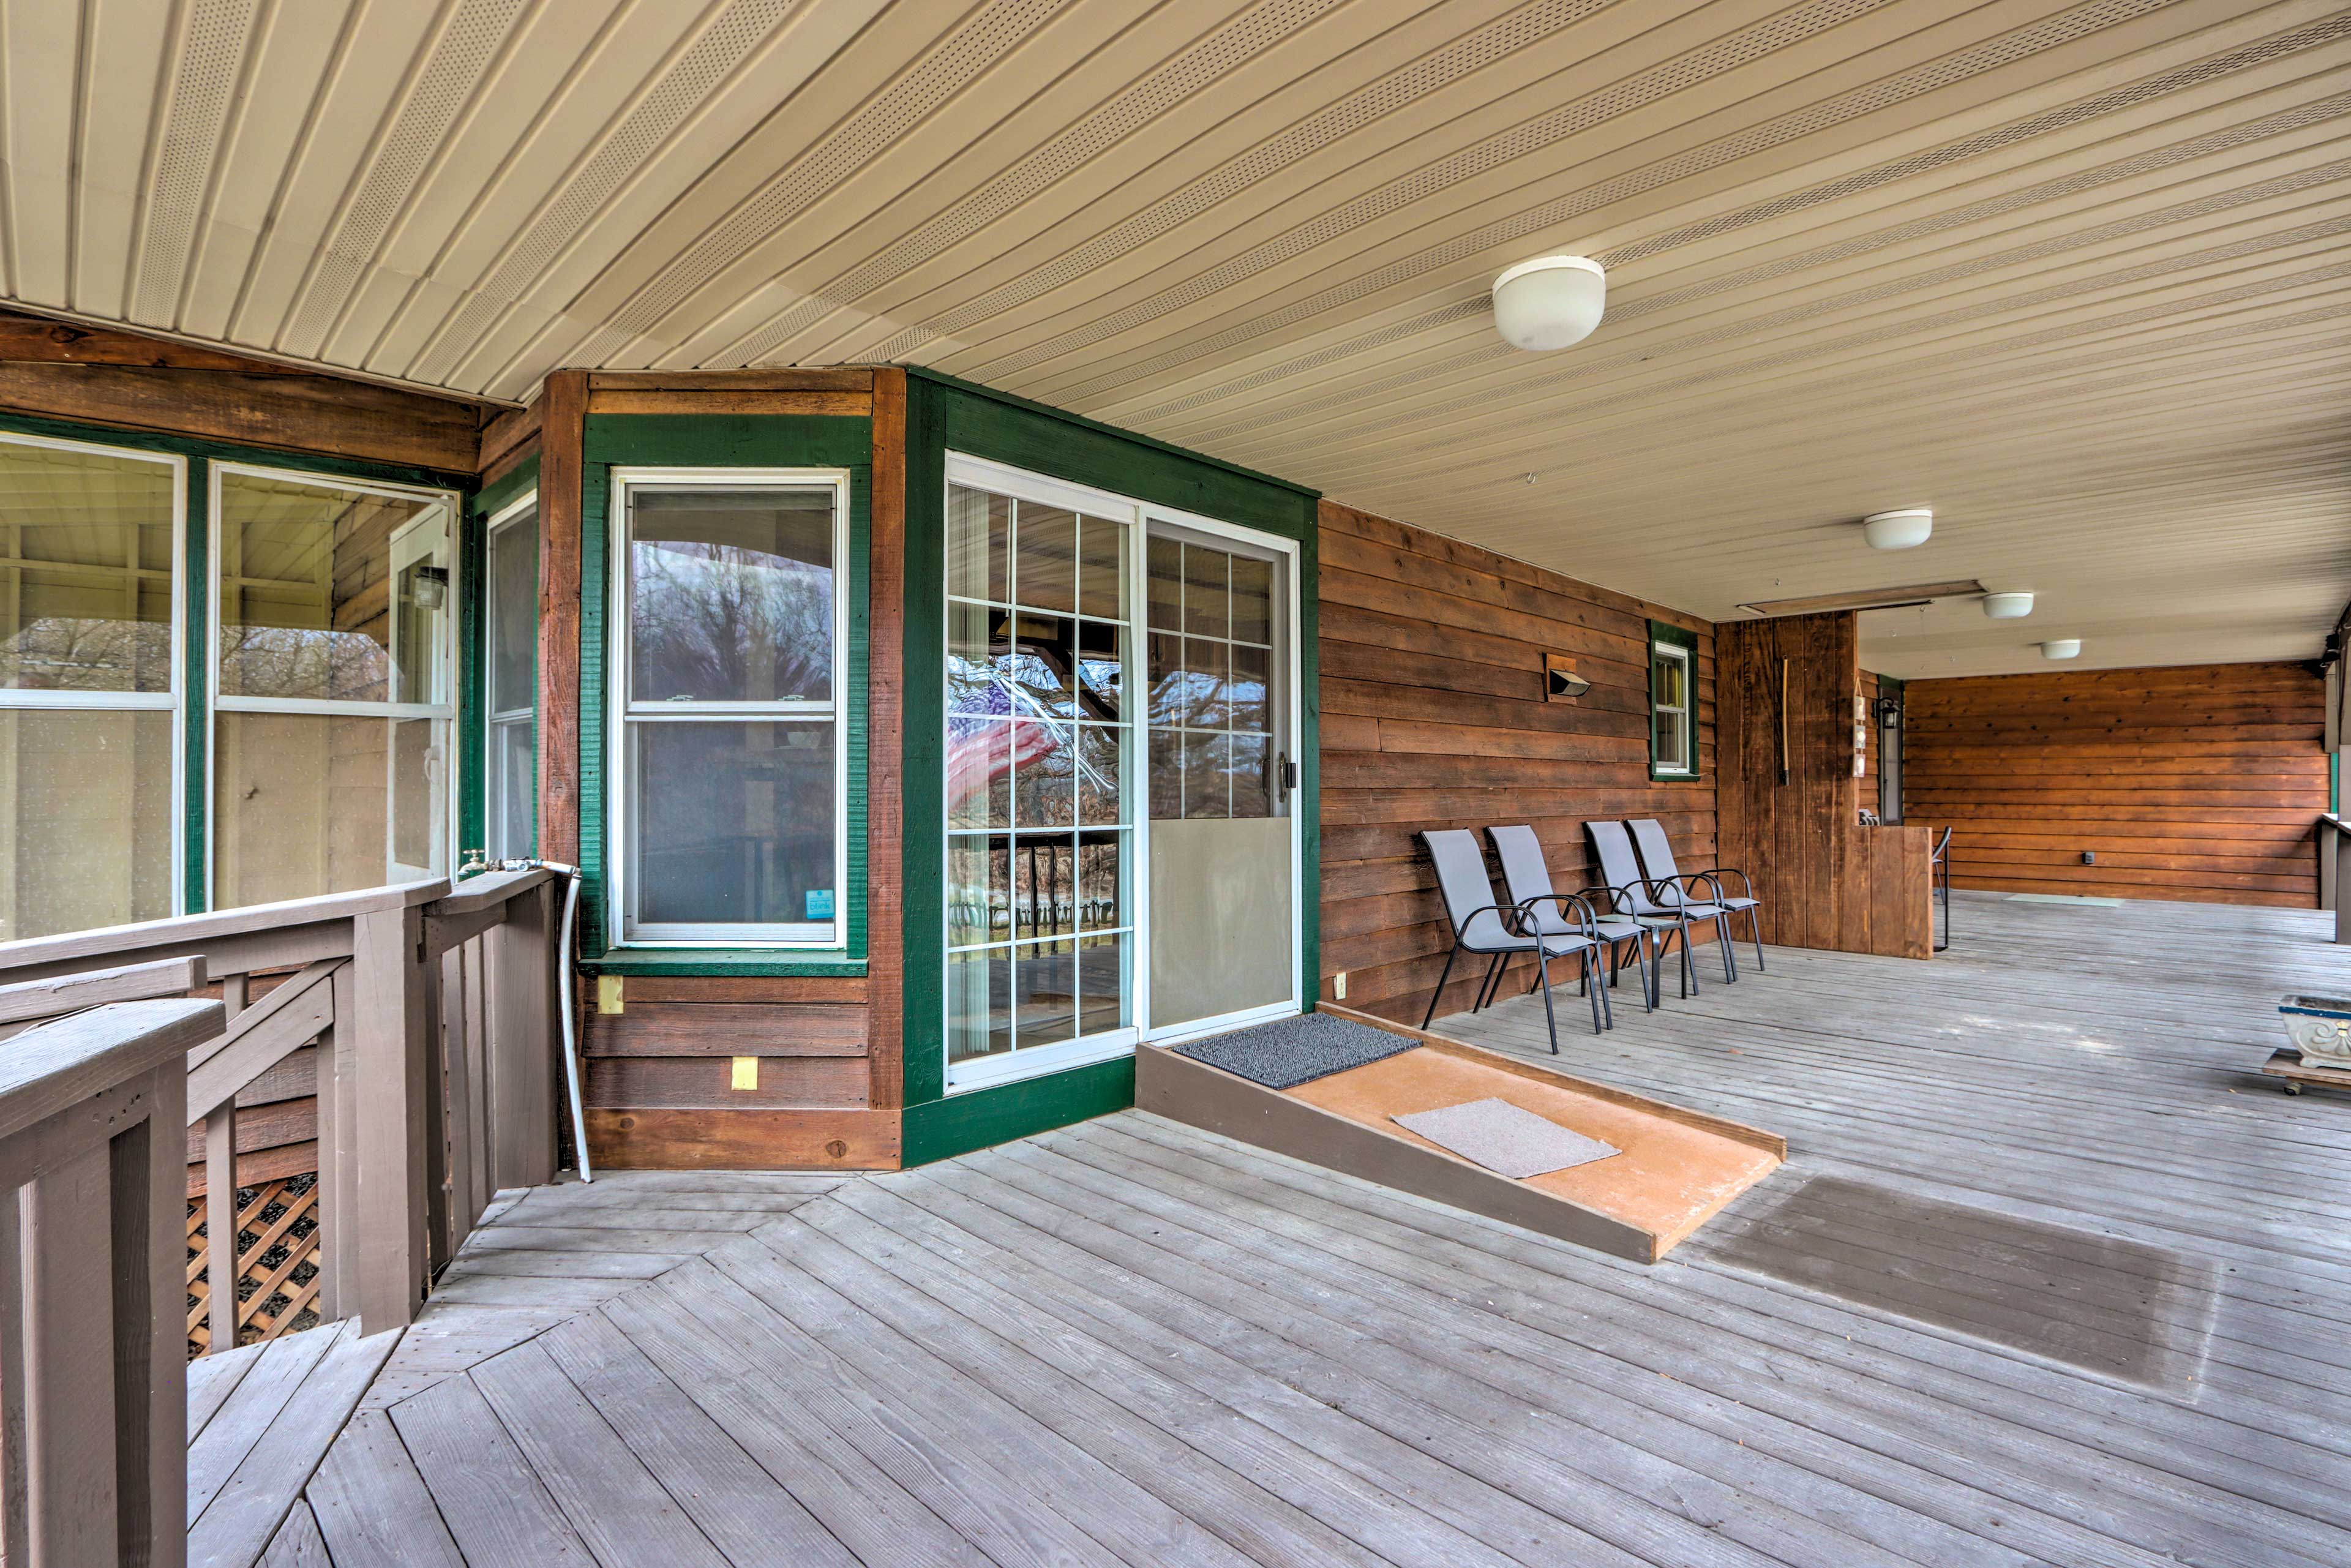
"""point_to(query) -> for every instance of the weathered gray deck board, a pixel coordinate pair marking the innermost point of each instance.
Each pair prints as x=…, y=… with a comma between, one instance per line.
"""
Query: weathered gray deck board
x=1130, y=1343
x=246, y=1503
x=297, y=1543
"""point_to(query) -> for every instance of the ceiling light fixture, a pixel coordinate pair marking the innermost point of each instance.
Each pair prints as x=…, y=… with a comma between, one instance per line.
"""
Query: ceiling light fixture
x=1550, y=302
x=2061, y=648
x=1903, y=529
x=2010, y=606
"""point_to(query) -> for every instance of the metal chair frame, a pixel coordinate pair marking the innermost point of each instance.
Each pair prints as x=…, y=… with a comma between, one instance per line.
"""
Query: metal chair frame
x=1636, y=896
x=1712, y=876
x=1520, y=931
x=1527, y=878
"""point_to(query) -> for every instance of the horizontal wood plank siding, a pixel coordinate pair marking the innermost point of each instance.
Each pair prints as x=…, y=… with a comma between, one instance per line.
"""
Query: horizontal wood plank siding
x=2200, y=782
x=1433, y=716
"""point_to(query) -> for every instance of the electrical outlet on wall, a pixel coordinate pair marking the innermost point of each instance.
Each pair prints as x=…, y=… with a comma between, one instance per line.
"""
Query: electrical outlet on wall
x=1339, y=987
x=2089, y=857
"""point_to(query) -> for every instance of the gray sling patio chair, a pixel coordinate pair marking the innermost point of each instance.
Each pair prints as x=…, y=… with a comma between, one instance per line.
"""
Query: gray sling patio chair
x=1636, y=897
x=1497, y=932
x=1528, y=879
x=1697, y=887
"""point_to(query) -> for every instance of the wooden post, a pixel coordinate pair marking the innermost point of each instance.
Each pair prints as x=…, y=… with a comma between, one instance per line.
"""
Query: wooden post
x=393, y=999
x=562, y=434
x=523, y=1071
x=72, y=1509
x=220, y=1226
x=338, y=1090
x=885, y=798
x=149, y=1204
x=93, y=1124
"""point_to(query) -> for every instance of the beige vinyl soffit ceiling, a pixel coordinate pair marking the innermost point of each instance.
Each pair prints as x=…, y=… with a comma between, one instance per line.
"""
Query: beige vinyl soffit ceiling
x=2076, y=277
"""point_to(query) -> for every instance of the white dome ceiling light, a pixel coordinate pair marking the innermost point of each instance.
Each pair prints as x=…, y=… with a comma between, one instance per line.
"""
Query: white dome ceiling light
x=1903, y=529
x=2061, y=648
x=1550, y=302
x=2008, y=606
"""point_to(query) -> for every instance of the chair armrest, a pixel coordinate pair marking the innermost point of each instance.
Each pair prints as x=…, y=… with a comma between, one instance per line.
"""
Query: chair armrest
x=1717, y=872
x=1587, y=925
x=1512, y=916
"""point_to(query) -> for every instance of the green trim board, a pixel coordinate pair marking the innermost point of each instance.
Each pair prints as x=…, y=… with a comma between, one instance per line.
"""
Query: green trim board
x=1130, y=437
x=943, y=415
x=942, y=1129
x=1676, y=637
x=717, y=441
x=195, y=694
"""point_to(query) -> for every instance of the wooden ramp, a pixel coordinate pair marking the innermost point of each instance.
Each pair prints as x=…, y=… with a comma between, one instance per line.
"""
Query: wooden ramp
x=1675, y=1170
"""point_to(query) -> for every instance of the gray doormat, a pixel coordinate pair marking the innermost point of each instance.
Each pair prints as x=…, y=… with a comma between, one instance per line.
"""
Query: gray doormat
x=1506, y=1138
x=2121, y=1309
x=1290, y=1052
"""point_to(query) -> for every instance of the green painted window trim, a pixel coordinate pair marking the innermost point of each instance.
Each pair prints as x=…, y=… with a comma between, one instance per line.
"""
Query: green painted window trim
x=717, y=441
x=944, y=414
x=942, y=1129
x=473, y=644
x=195, y=648
x=1677, y=637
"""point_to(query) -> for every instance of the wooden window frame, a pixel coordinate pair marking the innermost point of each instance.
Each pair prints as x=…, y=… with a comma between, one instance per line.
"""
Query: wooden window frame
x=1673, y=642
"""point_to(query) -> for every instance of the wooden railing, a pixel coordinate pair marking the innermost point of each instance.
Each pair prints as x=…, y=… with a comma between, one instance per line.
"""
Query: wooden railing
x=93, y=1382
x=2333, y=859
x=422, y=1015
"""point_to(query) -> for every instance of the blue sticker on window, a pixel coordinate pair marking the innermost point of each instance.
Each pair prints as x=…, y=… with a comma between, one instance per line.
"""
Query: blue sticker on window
x=819, y=904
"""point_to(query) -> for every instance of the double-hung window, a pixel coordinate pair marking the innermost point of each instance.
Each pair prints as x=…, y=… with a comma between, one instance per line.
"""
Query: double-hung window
x=1673, y=709
x=729, y=809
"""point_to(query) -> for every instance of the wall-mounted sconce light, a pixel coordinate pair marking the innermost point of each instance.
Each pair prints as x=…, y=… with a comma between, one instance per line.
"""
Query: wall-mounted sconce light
x=2061, y=648
x=1889, y=712
x=1560, y=683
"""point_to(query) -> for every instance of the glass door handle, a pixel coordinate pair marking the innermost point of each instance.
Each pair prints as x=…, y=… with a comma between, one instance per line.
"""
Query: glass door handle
x=1285, y=774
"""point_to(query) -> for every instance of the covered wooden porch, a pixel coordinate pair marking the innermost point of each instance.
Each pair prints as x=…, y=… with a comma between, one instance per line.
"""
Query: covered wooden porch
x=2112, y=1338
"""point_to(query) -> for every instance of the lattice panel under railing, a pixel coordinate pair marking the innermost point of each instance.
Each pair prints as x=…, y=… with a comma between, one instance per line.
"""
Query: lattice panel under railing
x=278, y=1275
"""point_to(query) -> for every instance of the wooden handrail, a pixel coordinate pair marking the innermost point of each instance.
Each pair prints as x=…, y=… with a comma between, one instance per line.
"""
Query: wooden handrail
x=181, y=930
x=93, y=1377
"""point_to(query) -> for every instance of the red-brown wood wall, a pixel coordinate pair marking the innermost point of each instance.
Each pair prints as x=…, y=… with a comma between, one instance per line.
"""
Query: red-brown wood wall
x=1823, y=880
x=2200, y=782
x=1432, y=716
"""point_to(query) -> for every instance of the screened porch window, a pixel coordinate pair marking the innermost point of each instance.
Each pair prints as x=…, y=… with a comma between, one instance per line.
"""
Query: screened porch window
x=335, y=612
x=89, y=553
x=729, y=807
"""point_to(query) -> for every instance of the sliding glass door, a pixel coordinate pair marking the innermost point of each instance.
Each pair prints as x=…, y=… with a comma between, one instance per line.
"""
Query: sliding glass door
x=1117, y=865
x=1224, y=939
